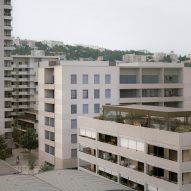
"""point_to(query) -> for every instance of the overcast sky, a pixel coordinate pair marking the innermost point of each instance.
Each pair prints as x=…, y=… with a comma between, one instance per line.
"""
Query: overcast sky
x=156, y=25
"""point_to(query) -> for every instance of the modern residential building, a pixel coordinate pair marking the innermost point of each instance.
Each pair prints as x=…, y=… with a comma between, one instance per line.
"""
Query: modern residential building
x=65, y=92
x=81, y=87
x=143, y=147
x=5, y=64
x=25, y=86
x=160, y=84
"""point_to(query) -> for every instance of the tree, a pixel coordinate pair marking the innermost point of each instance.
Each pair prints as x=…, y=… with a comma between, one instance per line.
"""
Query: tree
x=3, y=148
x=29, y=140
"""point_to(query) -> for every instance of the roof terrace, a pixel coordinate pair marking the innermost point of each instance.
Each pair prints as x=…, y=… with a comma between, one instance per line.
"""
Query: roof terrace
x=163, y=118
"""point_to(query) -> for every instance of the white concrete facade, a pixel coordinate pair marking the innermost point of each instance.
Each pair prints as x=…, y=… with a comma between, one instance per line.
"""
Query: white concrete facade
x=145, y=159
x=89, y=80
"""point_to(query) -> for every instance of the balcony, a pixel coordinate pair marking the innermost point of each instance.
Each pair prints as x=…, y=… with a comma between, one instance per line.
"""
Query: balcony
x=131, y=184
x=108, y=175
x=87, y=166
x=161, y=152
x=107, y=156
x=132, y=164
x=162, y=174
x=87, y=150
x=107, y=139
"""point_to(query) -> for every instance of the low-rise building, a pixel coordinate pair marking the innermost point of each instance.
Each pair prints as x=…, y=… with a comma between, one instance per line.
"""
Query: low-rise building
x=146, y=148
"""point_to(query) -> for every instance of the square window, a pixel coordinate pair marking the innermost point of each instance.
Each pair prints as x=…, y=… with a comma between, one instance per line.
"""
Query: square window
x=85, y=79
x=85, y=94
x=73, y=109
x=73, y=79
x=85, y=108
x=108, y=79
x=96, y=108
x=73, y=94
x=73, y=138
x=73, y=123
x=96, y=79
x=73, y=153
x=107, y=93
x=96, y=94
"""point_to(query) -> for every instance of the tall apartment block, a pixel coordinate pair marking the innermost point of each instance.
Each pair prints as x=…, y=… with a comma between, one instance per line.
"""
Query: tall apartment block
x=147, y=148
x=82, y=87
x=65, y=92
x=25, y=87
x=5, y=64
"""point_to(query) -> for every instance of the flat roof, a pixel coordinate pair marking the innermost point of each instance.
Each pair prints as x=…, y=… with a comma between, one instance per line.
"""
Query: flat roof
x=60, y=180
x=155, y=110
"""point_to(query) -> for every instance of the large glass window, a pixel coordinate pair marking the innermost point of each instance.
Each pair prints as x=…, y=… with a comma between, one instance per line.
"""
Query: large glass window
x=49, y=121
x=108, y=79
x=73, y=109
x=73, y=138
x=96, y=79
x=73, y=153
x=107, y=93
x=73, y=94
x=96, y=94
x=73, y=79
x=127, y=79
x=73, y=123
x=85, y=94
x=85, y=108
x=85, y=79
x=150, y=79
x=96, y=108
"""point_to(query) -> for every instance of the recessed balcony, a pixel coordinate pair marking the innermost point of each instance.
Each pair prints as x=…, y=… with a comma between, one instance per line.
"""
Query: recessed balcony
x=107, y=156
x=162, y=174
x=107, y=139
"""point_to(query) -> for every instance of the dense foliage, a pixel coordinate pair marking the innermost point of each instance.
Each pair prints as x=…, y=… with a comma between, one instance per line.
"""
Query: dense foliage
x=76, y=52
x=3, y=149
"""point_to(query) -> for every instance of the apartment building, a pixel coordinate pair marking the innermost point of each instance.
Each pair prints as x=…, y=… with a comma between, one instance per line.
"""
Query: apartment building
x=65, y=92
x=25, y=86
x=82, y=87
x=5, y=64
x=159, y=84
x=143, y=147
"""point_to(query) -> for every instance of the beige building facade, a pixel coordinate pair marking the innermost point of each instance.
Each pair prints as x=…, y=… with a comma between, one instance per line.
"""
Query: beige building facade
x=146, y=148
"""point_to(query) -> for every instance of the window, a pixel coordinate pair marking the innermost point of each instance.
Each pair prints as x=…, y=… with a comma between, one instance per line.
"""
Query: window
x=107, y=93
x=96, y=79
x=150, y=79
x=127, y=79
x=96, y=94
x=73, y=94
x=85, y=79
x=49, y=121
x=85, y=94
x=73, y=109
x=73, y=79
x=87, y=133
x=73, y=138
x=108, y=79
x=85, y=108
x=73, y=153
x=73, y=123
x=49, y=149
x=49, y=135
x=96, y=108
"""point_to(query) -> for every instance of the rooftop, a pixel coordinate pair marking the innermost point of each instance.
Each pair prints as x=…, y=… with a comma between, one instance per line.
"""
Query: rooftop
x=156, y=117
x=59, y=180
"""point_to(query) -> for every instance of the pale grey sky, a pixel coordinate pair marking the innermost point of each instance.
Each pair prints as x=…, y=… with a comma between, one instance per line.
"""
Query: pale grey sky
x=156, y=25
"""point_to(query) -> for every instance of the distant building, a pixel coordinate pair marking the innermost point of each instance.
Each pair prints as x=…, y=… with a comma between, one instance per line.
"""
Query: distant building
x=159, y=56
x=52, y=43
x=130, y=58
x=173, y=56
